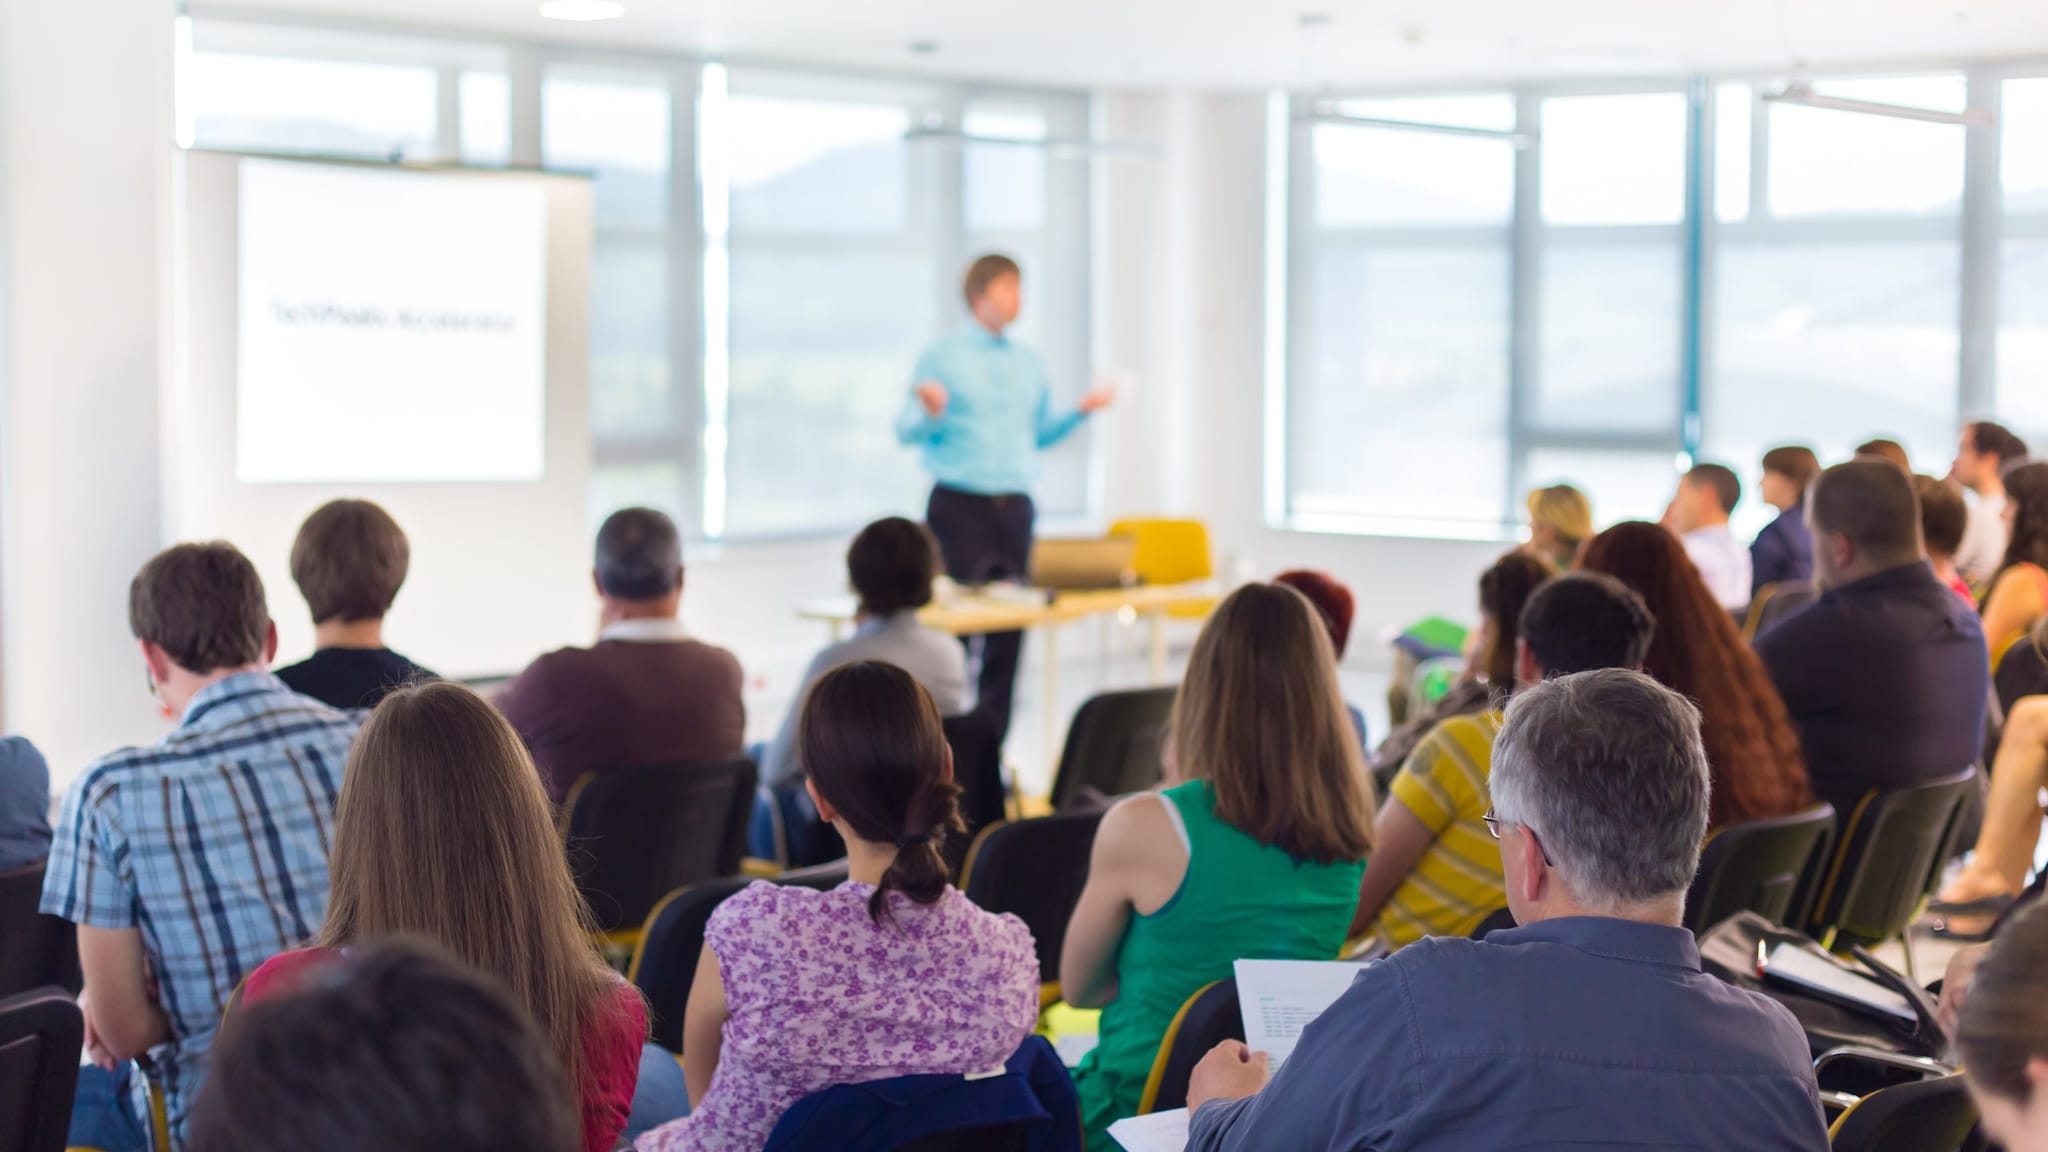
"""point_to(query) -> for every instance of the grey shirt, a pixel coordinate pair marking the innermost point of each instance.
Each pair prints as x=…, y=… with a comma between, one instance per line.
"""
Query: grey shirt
x=932, y=658
x=1576, y=1033
x=24, y=804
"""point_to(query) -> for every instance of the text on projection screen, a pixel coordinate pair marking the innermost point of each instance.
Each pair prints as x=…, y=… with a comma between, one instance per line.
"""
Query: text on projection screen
x=392, y=326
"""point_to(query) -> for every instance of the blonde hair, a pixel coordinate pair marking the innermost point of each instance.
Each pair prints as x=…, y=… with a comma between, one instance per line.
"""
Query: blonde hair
x=1261, y=717
x=1565, y=511
x=443, y=831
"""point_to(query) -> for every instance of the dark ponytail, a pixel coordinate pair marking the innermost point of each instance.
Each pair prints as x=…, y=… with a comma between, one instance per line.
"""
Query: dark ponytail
x=872, y=742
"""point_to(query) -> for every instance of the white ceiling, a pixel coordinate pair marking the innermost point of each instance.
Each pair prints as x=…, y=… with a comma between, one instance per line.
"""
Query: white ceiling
x=1263, y=43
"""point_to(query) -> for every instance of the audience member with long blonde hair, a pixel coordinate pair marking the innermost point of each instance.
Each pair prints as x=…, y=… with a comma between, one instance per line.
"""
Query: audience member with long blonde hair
x=1254, y=850
x=443, y=831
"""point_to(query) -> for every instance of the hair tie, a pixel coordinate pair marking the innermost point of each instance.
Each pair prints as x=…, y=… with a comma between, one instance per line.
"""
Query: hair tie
x=913, y=840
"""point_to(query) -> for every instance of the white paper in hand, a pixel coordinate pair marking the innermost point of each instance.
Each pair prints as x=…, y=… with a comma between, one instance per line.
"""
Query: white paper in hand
x=1279, y=998
x=1155, y=1132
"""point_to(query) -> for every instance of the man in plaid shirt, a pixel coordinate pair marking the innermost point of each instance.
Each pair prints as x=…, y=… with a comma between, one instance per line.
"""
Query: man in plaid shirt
x=187, y=863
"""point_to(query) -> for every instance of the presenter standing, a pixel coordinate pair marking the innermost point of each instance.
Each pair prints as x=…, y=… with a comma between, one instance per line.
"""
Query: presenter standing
x=981, y=410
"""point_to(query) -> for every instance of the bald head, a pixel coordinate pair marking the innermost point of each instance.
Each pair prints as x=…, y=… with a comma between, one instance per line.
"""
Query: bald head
x=1865, y=518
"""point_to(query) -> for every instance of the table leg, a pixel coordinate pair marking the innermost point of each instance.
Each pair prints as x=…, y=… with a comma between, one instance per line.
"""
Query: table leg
x=1049, y=708
x=1158, y=619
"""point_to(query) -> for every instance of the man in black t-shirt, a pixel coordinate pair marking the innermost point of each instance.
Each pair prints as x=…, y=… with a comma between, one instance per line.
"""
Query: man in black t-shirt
x=349, y=560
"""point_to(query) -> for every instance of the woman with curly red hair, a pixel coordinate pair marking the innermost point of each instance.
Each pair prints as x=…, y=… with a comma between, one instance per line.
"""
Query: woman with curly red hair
x=1752, y=748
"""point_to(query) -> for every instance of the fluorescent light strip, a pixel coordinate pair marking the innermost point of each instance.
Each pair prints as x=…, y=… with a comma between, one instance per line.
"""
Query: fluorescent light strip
x=582, y=11
x=1804, y=96
x=1346, y=119
x=1065, y=149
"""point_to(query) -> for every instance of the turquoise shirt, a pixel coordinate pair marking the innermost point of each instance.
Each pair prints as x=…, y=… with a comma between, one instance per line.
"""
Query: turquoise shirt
x=998, y=413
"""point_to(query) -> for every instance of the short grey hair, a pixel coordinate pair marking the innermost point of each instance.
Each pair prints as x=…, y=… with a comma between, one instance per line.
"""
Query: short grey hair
x=639, y=555
x=1607, y=769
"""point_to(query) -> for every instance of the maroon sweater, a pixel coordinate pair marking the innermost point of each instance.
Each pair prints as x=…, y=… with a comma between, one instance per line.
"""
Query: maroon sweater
x=625, y=703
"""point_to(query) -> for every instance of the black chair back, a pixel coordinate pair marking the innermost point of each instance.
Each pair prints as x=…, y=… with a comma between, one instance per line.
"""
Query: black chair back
x=1034, y=869
x=1113, y=745
x=1768, y=867
x=1923, y=1116
x=636, y=834
x=1890, y=859
x=1498, y=920
x=1210, y=1017
x=41, y=1034
x=665, y=960
x=39, y=950
x=978, y=769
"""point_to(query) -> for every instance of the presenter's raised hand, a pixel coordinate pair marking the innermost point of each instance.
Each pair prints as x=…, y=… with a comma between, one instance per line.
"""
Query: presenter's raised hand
x=932, y=395
x=1103, y=396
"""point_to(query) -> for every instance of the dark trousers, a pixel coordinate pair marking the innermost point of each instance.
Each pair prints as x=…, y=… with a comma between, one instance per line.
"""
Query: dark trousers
x=985, y=538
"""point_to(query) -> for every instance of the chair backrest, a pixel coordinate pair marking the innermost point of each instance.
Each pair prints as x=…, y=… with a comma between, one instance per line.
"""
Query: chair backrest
x=1113, y=744
x=41, y=1034
x=1924, y=1116
x=636, y=834
x=1168, y=551
x=40, y=950
x=1890, y=858
x=978, y=769
x=1498, y=920
x=664, y=961
x=1035, y=870
x=1209, y=1017
x=1768, y=867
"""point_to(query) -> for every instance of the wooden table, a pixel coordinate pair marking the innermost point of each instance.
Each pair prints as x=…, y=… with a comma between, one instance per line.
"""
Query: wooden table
x=970, y=614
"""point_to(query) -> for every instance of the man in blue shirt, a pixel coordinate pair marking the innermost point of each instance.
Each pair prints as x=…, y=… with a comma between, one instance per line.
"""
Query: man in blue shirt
x=981, y=410
x=1593, y=1024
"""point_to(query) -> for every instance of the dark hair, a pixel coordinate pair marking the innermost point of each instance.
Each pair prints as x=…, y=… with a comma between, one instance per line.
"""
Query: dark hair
x=1333, y=601
x=1586, y=621
x=891, y=565
x=1504, y=592
x=1794, y=462
x=984, y=271
x=1997, y=440
x=1943, y=515
x=2027, y=488
x=871, y=740
x=1727, y=488
x=396, y=1048
x=349, y=561
x=1890, y=450
x=203, y=605
x=639, y=555
x=2004, y=1022
x=1872, y=503
x=1697, y=652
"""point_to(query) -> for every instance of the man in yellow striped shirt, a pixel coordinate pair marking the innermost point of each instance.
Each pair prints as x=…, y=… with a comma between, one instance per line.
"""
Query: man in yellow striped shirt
x=1434, y=870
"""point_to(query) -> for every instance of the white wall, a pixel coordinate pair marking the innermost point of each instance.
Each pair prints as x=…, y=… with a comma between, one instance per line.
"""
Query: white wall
x=85, y=121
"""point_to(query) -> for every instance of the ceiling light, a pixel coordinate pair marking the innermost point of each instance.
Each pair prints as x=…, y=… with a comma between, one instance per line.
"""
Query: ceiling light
x=1328, y=112
x=583, y=10
x=1801, y=93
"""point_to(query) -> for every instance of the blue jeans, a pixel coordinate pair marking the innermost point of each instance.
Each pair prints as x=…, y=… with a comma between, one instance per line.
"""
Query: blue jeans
x=660, y=1095
x=105, y=1114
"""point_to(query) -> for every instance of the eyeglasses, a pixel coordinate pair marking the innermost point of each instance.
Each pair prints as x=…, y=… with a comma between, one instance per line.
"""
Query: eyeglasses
x=1493, y=821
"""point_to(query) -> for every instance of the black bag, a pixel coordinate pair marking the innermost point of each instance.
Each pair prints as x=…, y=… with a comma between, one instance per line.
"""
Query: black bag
x=1729, y=951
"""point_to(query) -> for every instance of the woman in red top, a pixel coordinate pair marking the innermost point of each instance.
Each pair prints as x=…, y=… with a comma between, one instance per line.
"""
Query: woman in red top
x=443, y=831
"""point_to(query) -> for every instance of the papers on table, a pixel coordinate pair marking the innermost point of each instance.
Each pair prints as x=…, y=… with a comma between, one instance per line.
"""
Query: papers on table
x=1157, y=1132
x=1279, y=998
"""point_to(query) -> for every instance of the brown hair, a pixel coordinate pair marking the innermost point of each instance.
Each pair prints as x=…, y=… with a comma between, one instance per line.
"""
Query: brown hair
x=984, y=271
x=1721, y=481
x=349, y=560
x=1260, y=717
x=1943, y=516
x=1890, y=450
x=871, y=740
x=2004, y=1022
x=203, y=605
x=1332, y=599
x=2027, y=488
x=1794, y=462
x=1696, y=651
x=891, y=565
x=1998, y=440
x=1504, y=590
x=443, y=831
x=1872, y=503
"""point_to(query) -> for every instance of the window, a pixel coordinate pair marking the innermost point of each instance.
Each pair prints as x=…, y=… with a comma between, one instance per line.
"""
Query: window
x=486, y=117
x=262, y=103
x=2020, y=398
x=1829, y=163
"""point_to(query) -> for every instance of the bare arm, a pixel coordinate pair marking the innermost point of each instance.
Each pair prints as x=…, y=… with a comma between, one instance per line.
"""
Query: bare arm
x=1135, y=867
x=1399, y=841
x=122, y=1019
x=2014, y=605
x=703, y=1027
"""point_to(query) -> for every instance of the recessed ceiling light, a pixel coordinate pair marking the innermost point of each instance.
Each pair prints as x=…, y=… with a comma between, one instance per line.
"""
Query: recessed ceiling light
x=583, y=10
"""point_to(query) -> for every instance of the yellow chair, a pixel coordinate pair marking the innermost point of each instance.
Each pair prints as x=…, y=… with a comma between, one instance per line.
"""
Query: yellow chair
x=1171, y=552
x=1206, y=1019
